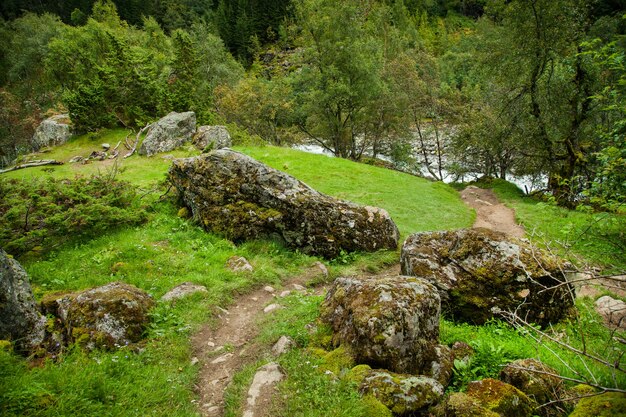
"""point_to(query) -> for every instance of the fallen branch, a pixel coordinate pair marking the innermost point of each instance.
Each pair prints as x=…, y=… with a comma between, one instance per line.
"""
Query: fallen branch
x=38, y=163
x=132, y=151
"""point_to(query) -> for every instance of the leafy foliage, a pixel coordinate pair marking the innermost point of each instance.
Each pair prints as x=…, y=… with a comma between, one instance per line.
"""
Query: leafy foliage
x=40, y=215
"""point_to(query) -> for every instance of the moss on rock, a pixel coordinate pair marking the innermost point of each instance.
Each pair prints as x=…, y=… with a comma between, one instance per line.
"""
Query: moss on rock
x=500, y=397
x=609, y=404
x=374, y=408
x=459, y=404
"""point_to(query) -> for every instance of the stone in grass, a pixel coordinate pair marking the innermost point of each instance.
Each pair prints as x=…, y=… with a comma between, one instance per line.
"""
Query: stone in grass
x=609, y=404
x=389, y=322
x=501, y=398
x=403, y=394
x=612, y=311
x=480, y=273
x=260, y=392
x=239, y=264
x=208, y=138
x=336, y=362
x=20, y=319
x=53, y=131
x=183, y=290
x=109, y=316
x=535, y=379
x=235, y=195
x=283, y=345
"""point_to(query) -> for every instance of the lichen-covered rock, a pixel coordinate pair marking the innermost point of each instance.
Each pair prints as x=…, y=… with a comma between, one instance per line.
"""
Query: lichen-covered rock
x=501, y=398
x=390, y=322
x=212, y=137
x=183, y=290
x=609, y=404
x=461, y=351
x=239, y=264
x=169, y=133
x=233, y=194
x=55, y=130
x=442, y=365
x=459, y=404
x=374, y=408
x=109, y=316
x=479, y=272
x=612, y=311
x=403, y=394
x=20, y=319
x=538, y=385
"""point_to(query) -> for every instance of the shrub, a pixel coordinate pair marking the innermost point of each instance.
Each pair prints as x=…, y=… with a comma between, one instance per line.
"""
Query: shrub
x=38, y=215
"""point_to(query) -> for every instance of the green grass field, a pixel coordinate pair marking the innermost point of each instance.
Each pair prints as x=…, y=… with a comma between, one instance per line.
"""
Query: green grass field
x=157, y=378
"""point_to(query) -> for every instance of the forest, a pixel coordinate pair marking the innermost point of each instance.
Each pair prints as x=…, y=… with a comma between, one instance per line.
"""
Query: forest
x=489, y=87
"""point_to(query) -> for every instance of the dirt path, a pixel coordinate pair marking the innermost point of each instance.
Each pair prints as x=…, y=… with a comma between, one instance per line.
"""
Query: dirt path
x=224, y=348
x=490, y=212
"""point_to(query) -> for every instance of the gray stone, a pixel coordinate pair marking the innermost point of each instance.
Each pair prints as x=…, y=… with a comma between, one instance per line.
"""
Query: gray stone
x=55, y=130
x=260, y=392
x=183, y=290
x=169, y=133
x=109, y=316
x=479, y=272
x=283, y=345
x=239, y=264
x=212, y=137
x=403, y=394
x=612, y=311
x=20, y=319
x=390, y=322
x=235, y=195
x=271, y=307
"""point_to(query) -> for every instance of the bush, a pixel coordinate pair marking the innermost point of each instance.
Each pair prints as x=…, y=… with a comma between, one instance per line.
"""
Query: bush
x=41, y=214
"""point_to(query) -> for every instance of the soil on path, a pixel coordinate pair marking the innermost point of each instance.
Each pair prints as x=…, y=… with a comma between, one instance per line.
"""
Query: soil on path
x=224, y=347
x=490, y=212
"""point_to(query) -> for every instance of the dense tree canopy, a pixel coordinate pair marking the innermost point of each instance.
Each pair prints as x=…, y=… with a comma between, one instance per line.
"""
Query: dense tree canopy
x=445, y=87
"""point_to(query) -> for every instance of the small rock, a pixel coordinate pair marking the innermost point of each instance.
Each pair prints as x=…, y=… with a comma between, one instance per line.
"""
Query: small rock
x=194, y=361
x=283, y=345
x=269, y=289
x=322, y=268
x=271, y=307
x=532, y=378
x=298, y=287
x=76, y=159
x=183, y=290
x=106, y=146
x=221, y=359
x=261, y=389
x=459, y=404
x=401, y=393
x=612, y=311
x=285, y=294
x=210, y=344
x=239, y=264
x=98, y=155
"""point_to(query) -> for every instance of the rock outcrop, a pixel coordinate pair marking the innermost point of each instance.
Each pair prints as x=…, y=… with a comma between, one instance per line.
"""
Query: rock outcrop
x=109, y=316
x=55, y=130
x=212, y=137
x=389, y=322
x=479, y=272
x=169, y=133
x=403, y=394
x=20, y=319
x=233, y=194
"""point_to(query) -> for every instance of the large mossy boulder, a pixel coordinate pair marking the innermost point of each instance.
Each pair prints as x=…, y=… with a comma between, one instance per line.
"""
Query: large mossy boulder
x=53, y=131
x=20, y=319
x=535, y=379
x=389, y=322
x=609, y=404
x=235, y=195
x=501, y=398
x=480, y=272
x=403, y=394
x=169, y=133
x=109, y=316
